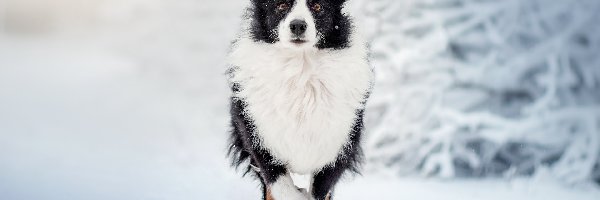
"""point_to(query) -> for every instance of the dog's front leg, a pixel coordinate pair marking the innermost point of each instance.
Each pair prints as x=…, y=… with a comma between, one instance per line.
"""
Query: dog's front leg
x=324, y=181
x=277, y=182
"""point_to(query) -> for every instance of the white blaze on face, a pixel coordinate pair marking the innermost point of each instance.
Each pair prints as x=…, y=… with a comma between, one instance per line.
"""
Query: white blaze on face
x=300, y=11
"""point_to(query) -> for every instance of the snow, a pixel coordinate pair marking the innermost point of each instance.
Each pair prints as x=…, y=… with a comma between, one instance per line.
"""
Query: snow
x=420, y=189
x=132, y=104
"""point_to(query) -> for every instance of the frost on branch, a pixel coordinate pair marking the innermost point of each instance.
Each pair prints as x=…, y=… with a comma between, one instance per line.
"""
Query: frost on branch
x=489, y=87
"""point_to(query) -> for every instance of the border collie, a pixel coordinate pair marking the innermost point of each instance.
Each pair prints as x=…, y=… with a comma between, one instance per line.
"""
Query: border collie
x=300, y=79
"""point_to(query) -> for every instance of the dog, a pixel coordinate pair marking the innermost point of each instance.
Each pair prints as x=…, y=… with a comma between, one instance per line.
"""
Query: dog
x=300, y=78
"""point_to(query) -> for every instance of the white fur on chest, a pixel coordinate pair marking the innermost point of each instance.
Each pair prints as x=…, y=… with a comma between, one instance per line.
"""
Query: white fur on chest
x=303, y=103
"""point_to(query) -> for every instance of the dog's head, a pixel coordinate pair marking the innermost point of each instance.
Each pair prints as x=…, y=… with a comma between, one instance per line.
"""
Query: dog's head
x=300, y=23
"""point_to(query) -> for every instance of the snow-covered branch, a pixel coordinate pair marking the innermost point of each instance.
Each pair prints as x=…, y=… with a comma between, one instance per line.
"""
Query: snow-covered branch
x=476, y=88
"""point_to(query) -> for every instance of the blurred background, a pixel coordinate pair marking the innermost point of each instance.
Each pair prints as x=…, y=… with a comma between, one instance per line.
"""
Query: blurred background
x=126, y=99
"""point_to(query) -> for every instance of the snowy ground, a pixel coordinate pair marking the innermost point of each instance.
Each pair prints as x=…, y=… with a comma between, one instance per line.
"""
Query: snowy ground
x=137, y=110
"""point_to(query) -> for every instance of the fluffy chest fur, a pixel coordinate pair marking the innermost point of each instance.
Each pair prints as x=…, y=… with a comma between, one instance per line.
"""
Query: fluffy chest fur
x=303, y=103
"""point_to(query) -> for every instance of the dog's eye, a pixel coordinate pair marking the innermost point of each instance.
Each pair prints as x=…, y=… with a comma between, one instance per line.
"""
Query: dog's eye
x=317, y=7
x=283, y=7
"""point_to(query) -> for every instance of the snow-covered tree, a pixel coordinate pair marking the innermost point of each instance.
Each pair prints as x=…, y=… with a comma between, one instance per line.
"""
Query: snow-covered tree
x=485, y=87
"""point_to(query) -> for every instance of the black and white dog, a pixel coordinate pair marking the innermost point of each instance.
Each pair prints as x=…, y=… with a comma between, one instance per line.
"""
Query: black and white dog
x=300, y=79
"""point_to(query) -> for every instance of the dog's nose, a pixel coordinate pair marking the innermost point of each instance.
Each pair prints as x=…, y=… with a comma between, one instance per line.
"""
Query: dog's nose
x=298, y=27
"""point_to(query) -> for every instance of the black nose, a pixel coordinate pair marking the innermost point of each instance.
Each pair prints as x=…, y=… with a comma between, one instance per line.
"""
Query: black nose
x=298, y=27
